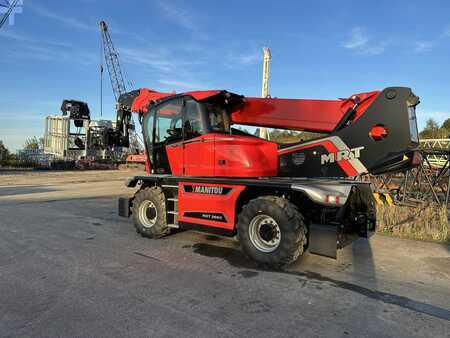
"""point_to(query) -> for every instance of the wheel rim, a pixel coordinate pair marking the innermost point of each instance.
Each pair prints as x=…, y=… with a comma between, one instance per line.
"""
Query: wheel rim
x=264, y=233
x=148, y=213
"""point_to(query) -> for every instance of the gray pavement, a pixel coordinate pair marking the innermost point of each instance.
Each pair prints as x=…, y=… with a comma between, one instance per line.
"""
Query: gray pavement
x=70, y=267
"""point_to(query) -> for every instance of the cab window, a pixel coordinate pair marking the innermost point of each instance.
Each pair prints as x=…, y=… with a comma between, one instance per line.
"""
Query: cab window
x=194, y=122
x=147, y=124
x=169, y=122
x=219, y=119
x=203, y=118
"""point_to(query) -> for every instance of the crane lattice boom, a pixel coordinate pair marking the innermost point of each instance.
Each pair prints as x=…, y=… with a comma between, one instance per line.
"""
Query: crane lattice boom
x=112, y=62
x=10, y=6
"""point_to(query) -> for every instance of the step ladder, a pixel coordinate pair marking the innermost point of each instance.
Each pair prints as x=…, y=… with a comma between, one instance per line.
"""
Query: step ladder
x=172, y=206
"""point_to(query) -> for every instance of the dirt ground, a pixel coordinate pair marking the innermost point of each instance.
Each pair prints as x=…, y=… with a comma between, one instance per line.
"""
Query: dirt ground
x=69, y=266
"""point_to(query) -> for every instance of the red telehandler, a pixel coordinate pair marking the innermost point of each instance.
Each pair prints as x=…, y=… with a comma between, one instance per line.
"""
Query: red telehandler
x=279, y=200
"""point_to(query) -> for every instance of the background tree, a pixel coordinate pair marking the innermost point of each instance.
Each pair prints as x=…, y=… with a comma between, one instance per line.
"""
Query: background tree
x=432, y=130
x=292, y=136
x=446, y=125
x=4, y=152
x=33, y=143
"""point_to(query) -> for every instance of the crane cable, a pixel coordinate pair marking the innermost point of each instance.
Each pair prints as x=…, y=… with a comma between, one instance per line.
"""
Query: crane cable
x=101, y=76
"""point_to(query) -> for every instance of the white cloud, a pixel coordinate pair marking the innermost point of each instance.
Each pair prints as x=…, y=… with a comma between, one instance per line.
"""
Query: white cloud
x=358, y=39
x=45, y=53
x=246, y=58
x=423, y=46
x=183, y=18
x=155, y=59
x=160, y=60
x=27, y=47
x=361, y=43
x=175, y=84
x=69, y=22
x=445, y=33
x=178, y=15
x=15, y=36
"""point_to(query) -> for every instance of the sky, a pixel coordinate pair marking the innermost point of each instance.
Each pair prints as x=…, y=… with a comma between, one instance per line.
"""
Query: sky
x=50, y=51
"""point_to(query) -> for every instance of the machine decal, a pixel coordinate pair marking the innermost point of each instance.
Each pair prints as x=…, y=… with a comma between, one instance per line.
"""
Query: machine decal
x=218, y=217
x=338, y=151
x=208, y=190
x=341, y=155
x=208, y=204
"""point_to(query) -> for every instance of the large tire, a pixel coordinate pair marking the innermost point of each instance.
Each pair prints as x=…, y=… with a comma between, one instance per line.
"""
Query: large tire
x=271, y=231
x=149, y=213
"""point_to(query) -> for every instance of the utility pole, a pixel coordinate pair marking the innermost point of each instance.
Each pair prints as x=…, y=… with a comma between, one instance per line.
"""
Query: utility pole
x=263, y=132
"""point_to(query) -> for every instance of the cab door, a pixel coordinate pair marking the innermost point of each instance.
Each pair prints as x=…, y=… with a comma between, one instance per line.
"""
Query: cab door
x=198, y=143
x=164, y=135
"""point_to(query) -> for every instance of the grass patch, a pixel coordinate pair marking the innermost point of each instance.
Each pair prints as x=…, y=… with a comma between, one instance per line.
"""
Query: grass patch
x=423, y=222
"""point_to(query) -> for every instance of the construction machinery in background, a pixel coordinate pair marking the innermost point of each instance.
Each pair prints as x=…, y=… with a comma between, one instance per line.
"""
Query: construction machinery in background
x=124, y=124
x=9, y=7
x=278, y=199
x=73, y=136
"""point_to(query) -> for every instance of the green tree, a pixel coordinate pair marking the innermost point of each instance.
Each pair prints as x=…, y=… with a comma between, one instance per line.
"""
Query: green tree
x=432, y=130
x=33, y=143
x=446, y=125
x=4, y=152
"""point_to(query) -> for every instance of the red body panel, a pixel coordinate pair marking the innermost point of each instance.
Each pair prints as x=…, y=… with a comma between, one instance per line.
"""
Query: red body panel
x=311, y=115
x=208, y=204
x=199, y=156
x=245, y=156
x=175, y=154
x=148, y=168
x=224, y=155
x=147, y=96
x=200, y=95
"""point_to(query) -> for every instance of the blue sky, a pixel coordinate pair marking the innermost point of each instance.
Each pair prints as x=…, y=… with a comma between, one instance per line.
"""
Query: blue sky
x=320, y=49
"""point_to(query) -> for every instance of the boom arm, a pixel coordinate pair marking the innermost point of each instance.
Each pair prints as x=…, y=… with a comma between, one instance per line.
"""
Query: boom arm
x=300, y=114
x=295, y=114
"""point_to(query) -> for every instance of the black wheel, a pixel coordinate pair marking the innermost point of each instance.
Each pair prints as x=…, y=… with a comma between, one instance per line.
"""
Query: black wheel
x=271, y=231
x=149, y=212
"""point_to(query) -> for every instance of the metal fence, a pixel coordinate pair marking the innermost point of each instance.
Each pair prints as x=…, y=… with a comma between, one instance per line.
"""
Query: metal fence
x=427, y=183
x=437, y=150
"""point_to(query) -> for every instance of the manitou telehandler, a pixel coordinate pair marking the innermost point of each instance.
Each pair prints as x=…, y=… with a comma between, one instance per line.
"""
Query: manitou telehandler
x=278, y=199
